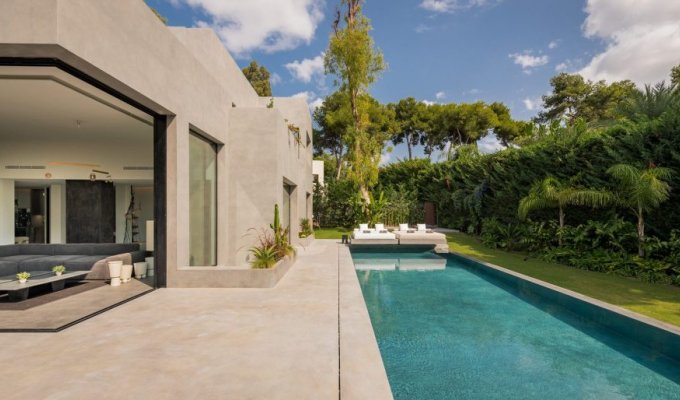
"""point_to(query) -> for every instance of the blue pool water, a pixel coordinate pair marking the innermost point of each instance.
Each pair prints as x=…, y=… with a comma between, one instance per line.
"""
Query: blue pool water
x=447, y=332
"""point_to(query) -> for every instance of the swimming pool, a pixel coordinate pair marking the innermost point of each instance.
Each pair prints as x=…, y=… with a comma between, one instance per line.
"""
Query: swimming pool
x=459, y=332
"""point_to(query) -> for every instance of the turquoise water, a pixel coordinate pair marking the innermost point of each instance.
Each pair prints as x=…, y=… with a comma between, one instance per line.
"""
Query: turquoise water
x=448, y=333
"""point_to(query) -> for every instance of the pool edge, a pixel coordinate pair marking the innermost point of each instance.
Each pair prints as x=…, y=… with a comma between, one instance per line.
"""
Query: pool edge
x=672, y=329
x=362, y=370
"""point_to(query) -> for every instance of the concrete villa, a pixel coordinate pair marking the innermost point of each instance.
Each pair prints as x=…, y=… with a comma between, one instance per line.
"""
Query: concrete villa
x=118, y=129
x=127, y=143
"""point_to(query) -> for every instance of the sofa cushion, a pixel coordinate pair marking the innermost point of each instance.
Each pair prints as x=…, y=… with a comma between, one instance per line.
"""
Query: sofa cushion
x=44, y=263
x=23, y=257
x=84, y=249
x=9, y=250
x=113, y=248
x=8, y=268
x=82, y=263
x=36, y=248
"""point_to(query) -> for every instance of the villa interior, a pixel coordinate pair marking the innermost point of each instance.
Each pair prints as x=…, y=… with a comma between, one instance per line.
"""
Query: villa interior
x=76, y=166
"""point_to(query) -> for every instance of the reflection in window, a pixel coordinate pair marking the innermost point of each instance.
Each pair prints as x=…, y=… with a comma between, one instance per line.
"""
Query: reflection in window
x=202, y=201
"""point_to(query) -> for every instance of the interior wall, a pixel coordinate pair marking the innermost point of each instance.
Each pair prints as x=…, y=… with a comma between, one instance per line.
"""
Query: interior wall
x=6, y=211
x=57, y=213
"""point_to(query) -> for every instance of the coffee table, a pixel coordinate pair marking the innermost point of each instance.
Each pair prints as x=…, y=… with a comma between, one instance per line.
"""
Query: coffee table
x=19, y=291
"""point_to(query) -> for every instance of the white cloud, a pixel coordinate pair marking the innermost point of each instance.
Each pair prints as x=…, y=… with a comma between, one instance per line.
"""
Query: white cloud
x=530, y=104
x=275, y=79
x=311, y=98
x=534, y=104
x=306, y=69
x=448, y=6
x=561, y=67
x=428, y=102
x=489, y=144
x=267, y=25
x=385, y=158
x=422, y=28
x=440, y=95
x=473, y=91
x=528, y=61
x=553, y=44
x=642, y=36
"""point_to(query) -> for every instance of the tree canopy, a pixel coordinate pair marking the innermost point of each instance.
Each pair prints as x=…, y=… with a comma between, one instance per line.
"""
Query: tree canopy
x=356, y=63
x=258, y=76
x=574, y=97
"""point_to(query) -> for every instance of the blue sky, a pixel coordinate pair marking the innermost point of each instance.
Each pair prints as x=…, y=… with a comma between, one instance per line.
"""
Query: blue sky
x=451, y=50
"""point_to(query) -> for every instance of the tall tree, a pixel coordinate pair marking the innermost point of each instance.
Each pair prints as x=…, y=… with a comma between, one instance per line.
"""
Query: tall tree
x=641, y=190
x=410, y=123
x=454, y=125
x=573, y=97
x=258, y=76
x=675, y=76
x=334, y=119
x=551, y=193
x=506, y=129
x=354, y=60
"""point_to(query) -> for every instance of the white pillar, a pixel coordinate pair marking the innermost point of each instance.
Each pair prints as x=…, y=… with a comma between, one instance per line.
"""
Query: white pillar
x=122, y=204
x=6, y=211
x=57, y=213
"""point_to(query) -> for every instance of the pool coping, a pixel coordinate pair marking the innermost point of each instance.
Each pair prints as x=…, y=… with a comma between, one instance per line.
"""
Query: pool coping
x=672, y=329
x=362, y=371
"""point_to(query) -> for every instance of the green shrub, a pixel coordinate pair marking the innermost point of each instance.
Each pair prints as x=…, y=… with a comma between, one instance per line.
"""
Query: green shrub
x=263, y=257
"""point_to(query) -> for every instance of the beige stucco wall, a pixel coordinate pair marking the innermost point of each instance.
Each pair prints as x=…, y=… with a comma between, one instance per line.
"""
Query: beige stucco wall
x=188, y=75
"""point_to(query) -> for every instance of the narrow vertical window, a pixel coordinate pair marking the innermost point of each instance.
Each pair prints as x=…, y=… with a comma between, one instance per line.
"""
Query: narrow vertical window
x=202, y=201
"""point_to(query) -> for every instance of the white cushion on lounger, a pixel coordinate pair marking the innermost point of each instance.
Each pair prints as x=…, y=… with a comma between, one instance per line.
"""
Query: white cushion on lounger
x=379, y=227
x=363, y=227
x=422, y=227
x=374, y=235
x=403, y=227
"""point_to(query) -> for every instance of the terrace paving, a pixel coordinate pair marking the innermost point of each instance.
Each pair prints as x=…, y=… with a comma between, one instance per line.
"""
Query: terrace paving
x=309, y=337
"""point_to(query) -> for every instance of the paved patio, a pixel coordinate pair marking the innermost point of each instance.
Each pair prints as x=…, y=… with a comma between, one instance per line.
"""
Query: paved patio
x=308, y=338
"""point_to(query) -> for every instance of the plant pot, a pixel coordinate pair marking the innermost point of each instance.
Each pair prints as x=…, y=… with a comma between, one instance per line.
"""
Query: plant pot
x=58, y=273
x=23, y=280
x=115, y=268
x=126, y=273
x=149, y=268
x=140, y=270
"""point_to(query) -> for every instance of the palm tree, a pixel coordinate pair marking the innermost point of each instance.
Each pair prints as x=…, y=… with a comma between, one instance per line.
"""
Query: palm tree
x=649, y=104
x=641, y=190
x=551, y=193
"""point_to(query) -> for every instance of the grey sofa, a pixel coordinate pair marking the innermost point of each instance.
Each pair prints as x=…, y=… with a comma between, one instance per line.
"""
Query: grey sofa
x=91, y=257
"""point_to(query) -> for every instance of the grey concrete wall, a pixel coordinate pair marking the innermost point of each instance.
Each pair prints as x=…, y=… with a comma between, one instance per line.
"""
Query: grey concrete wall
x=188, y=75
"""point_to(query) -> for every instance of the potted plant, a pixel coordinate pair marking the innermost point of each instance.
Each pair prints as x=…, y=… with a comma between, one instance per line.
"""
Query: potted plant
x=58, y=270
x=23, y=276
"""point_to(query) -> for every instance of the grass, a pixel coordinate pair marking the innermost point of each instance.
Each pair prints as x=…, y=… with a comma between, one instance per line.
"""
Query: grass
x=661, y=302
x=331, y=233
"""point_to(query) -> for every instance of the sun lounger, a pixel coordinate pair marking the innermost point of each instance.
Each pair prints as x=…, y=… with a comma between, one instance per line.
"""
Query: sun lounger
x=378, y=235
x=422, y=236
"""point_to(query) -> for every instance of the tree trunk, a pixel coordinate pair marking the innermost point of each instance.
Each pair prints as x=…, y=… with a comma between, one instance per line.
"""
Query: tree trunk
x=559, y=236
x=365, y=194
x=641, y=233
x=338, y=164
x=408, y=145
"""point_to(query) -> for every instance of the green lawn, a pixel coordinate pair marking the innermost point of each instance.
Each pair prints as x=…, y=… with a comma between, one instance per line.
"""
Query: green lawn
x=331, y=233
x=657, y=301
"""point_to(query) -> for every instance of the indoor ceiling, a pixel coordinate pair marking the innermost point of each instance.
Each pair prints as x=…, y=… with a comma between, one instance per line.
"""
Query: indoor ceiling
x=52, y=104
